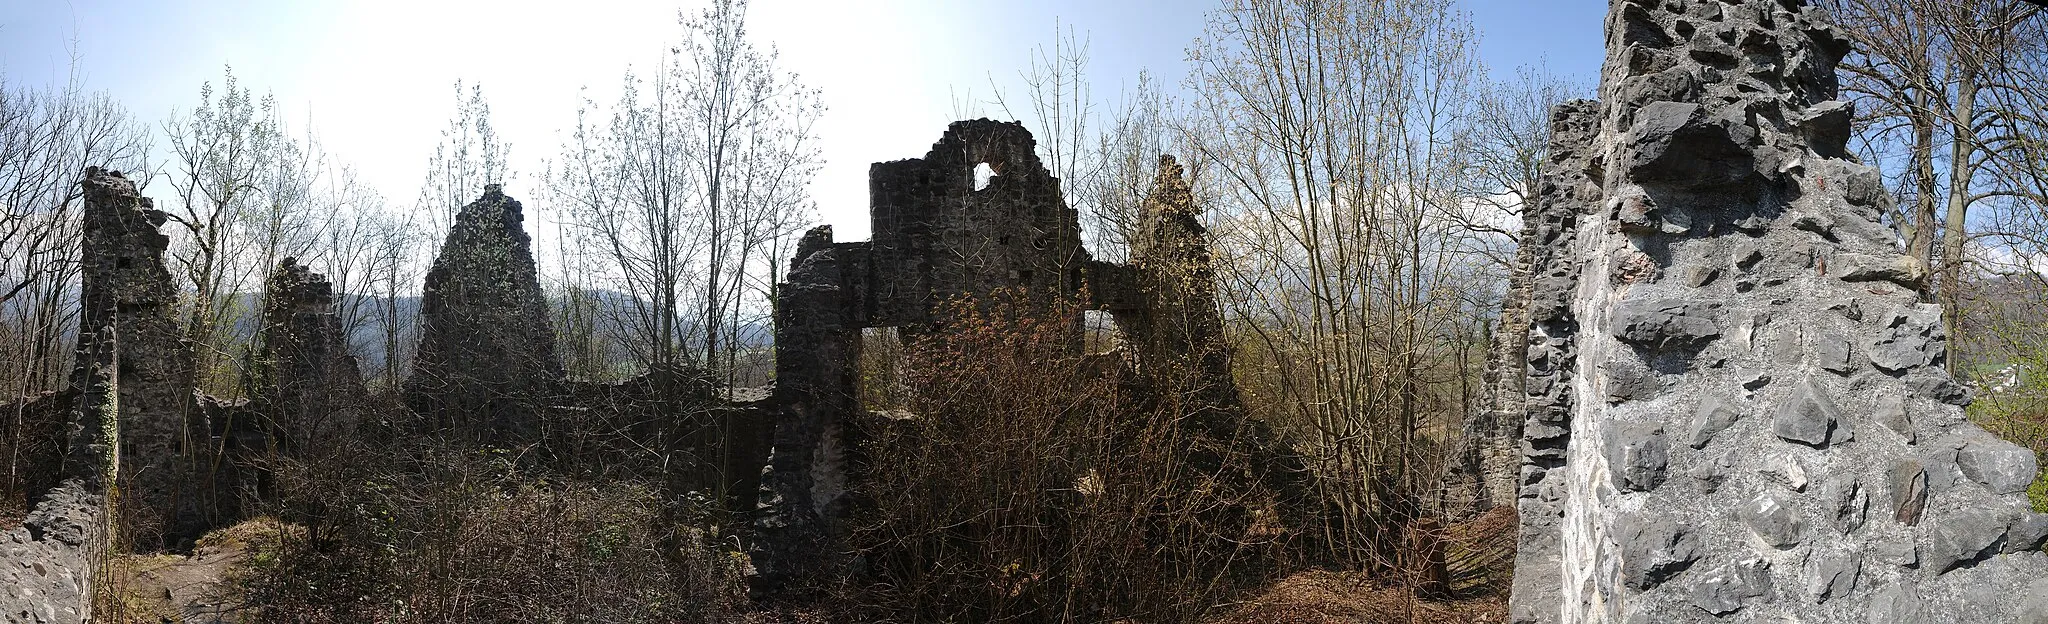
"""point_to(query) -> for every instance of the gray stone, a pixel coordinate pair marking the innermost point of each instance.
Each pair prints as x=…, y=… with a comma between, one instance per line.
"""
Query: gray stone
x=1697, y=276
x=1680, y=145
x=1785, y=470
x=1832, y=574
x=1909, y=491
x=1773, y=518
x=1714, y=415
x=1807, y=416
x=2026, y=532
x=2001, y=466
x=1848, y=502
x=1962, y=538
x=2034, y=603
x=1628, y=380
x=1654, y=548
x=1899, y=603
x=1711, y=473
x=1831, y=352
x=1637, y=455
x=1891, y=412
x=1667, y=324
x=1936, y=384
x=1851, y=309
x=1901, y=552
x=1903, y=270
x=1911, y=339
x=1729, y=587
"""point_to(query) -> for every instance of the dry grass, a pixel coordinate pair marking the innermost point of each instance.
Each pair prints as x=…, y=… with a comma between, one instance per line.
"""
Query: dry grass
x=1324, y=597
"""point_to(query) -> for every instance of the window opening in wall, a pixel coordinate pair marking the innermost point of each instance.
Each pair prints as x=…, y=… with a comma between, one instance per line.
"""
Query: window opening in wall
x=1098, y=332
x=882, y=386
x=982, y=174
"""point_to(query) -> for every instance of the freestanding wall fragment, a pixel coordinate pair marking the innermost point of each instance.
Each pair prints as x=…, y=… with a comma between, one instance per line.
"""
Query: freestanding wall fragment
x=305, y=381
x=1739, y=408
x=51, y=564
x=487, y=352
x=125, y=286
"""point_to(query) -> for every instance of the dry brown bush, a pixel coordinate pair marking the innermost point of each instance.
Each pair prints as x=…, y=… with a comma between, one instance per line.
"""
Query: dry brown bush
x=1035, y=483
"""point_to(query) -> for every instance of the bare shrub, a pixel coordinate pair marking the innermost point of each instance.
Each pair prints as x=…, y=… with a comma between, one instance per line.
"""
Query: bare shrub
x=431, y=533
x=1035, y=483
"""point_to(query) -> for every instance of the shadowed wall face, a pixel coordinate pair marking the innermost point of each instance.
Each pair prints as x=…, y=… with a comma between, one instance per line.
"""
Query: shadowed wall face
x=487, y=351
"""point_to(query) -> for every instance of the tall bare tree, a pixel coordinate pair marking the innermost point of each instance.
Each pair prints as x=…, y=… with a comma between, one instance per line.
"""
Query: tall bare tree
x=693, y=190
x=1329, y=130
x=1927, y=77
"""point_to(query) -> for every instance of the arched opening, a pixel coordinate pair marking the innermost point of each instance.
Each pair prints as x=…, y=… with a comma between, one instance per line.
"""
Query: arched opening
x=983, y=173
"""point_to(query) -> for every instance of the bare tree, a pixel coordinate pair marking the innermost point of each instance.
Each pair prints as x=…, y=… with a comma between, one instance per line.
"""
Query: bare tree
x=1927, y=76
x=693, y=190
x=48, y=136
x=1328, y=130
x=230, y=156
x=469, y=156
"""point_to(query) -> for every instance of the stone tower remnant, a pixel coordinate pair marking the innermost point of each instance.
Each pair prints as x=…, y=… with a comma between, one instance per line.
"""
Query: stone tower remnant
x=1738, y=407
x=487, y=351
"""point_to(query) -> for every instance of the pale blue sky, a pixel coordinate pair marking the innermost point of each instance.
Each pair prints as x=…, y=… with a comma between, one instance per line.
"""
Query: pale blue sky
x=375, y=76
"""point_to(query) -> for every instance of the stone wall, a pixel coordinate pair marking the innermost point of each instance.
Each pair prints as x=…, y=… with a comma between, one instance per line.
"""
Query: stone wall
x=304, y=381
x=1739, y=408
x=940, y=233
x=125, y=286
x=51, y=565
x=486, y=359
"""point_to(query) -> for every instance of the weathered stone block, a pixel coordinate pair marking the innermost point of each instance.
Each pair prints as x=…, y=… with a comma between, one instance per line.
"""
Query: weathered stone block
x=1962, y=538
x=1654, y=548
x=1729, y=587
x=1807, y=416
x=2001, y=466
x=1636, y=456
x=1714, y=415
x=1772, y=517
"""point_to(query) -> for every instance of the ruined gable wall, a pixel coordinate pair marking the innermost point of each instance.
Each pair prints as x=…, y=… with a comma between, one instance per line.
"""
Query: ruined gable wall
x=1758, y=424
x=487, y=349
x=52, y=563
x=936, y=236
